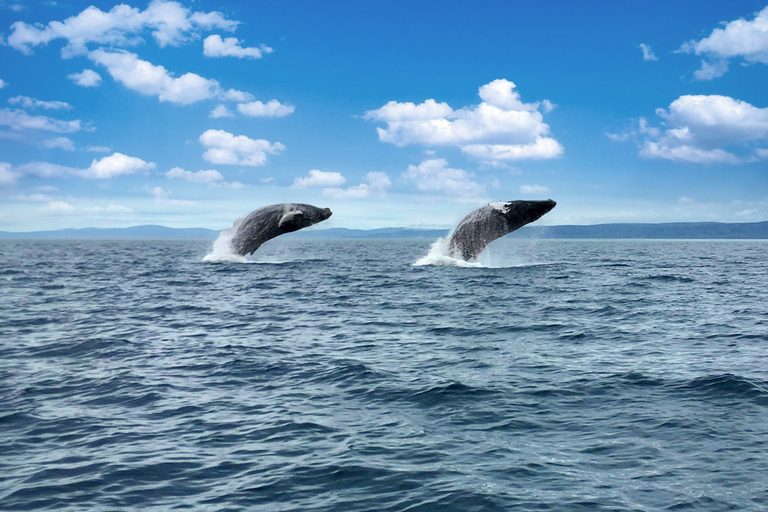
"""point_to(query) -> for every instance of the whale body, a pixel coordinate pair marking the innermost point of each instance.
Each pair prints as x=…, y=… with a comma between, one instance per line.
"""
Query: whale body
x=271, y=221
x=484, y=225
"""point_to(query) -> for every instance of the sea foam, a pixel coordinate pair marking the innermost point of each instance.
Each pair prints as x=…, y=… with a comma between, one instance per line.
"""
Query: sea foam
x=222, y=247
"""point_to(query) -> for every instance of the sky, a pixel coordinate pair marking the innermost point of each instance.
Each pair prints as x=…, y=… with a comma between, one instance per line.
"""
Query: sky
x=393, y=114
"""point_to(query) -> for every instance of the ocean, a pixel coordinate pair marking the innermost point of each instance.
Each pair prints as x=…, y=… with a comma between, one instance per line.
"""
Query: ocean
x=339, y=375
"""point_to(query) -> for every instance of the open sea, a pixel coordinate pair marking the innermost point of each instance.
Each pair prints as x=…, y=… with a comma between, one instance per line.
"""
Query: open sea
x=337, y=375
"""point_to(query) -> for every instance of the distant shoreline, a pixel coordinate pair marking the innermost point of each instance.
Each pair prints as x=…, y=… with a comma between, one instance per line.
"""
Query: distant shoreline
x=669, y=231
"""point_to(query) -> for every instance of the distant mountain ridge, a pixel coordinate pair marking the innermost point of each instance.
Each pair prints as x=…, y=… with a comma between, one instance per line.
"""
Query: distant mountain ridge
x=672, y=230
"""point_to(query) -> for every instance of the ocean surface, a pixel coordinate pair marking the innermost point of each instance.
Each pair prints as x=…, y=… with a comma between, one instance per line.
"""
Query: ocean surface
x=328, y=375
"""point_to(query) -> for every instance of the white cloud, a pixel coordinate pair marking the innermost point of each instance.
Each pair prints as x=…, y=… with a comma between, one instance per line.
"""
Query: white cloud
x=20, y=120
x=319, y=179
x=33, y=198
x=215, y=46
x=58, y=208
x=169, y=22
x=236, y=96
x=163, y=197
x=378, y=182
x=686, y=200
x=98, y=149
x=700, y=127
x=761, y=153
x=116, y=164
x=146, y=78
x=226, y=148
x=7, y=176
x=434, y=177
x=112, y=209
x=501, y=127
x=87, y=78
x=221, y=111
x=272, y=108
x=32, y=103
x=534, y=189
x=3, y=83
x=739, y=38
x=209, y=176
x=647, y=52
x=267, y=181
x=59, y=142
x=46, y=170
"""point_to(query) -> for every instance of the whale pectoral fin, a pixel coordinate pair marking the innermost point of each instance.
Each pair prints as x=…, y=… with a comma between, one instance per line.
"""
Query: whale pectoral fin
x=290, y=217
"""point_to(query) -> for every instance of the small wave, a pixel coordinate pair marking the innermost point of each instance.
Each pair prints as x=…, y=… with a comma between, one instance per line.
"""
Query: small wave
x=670, y=278
x=728, y=385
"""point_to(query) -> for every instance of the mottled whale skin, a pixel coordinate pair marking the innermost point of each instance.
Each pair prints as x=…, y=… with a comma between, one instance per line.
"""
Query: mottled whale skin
x=486, y=224
x=271, y=221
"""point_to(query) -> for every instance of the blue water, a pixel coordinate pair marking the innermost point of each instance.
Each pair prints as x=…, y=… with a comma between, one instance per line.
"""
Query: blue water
x=336, y=375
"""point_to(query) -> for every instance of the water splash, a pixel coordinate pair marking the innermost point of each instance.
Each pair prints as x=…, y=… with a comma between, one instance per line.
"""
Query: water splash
x=222, y=247
x=440, y=256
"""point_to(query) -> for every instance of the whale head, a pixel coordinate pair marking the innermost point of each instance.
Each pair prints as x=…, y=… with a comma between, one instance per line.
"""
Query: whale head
x=519, y=213
x=298, y=216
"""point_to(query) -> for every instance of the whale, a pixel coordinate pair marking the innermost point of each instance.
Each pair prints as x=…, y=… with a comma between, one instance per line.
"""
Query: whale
x=266, y=223
x=482, y=226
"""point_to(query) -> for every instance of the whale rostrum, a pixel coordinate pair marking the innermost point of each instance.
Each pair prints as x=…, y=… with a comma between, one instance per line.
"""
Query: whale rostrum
x=484, y=225
x=271, y=221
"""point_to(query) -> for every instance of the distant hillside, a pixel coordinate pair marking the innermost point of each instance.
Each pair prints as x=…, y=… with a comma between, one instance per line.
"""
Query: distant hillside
x=674, y=230
x=136, y=232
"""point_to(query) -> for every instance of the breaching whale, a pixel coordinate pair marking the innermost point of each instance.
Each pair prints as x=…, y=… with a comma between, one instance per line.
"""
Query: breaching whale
x=271, y=221
x=486, y=224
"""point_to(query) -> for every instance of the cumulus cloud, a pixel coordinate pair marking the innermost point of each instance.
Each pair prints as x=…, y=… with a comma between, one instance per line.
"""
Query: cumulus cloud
x=111, y=166
x=647, y=52
x=377, y=182
x=58, y=208
x=272, y=108
x=170, y=23
x=320, y=179
x=534, y=189
x=86, y=78
x=235, y=95
x=700, y=127
x=435, y=177
x=162, y=196
x=20, y=120
x=116, y=164
x=3, y=83
x=98, y=149
x=60, y=143
x=7, y=176
x=32, y=103
x=146, y=78
x=209, y=176
x=226, y=148
x=501, y=127
x=740, y=38
x=215, y=46
x=220, y=111
x=212, y=178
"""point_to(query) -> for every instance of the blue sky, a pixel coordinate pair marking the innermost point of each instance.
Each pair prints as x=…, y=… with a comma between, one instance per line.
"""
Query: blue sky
x=390, y=113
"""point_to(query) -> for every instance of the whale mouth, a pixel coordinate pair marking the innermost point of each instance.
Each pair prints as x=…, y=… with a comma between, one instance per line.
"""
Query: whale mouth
x=326, y=213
